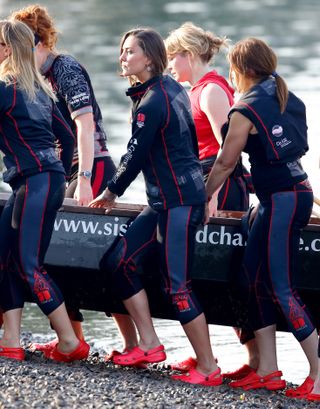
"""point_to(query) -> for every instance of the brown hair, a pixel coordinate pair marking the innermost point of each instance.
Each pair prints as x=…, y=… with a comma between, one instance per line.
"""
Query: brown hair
x=152, y=45
x=195, y=41
x=40, y=22
x=253, y=58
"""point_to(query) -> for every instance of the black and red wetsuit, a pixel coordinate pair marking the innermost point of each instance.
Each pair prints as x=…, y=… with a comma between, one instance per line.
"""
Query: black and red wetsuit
x=74, y=91
x=286, y=200
x=37, y=176
x=164, y=147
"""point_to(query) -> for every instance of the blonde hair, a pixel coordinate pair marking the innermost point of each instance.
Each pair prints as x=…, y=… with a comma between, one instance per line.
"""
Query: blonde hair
x=253, y=58
x=196, y=41
x=38, y=19
x=20, y=66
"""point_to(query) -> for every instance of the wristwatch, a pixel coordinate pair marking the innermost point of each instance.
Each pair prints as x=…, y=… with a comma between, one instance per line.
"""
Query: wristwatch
x=85, y=173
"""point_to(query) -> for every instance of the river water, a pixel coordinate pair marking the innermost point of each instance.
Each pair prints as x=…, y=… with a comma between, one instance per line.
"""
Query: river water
x=91, y=30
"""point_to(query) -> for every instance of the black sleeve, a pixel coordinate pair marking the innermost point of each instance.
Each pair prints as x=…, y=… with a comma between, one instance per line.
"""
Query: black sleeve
x=146, y=124
x=73, y=84
x=65, y=138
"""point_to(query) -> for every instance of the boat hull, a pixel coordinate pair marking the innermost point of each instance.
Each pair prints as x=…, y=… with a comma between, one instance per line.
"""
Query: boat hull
x=81, y=236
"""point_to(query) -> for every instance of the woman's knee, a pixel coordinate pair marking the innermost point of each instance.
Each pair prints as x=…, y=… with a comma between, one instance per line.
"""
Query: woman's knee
x=185, y=305
x=112, y=258
x=121, y=271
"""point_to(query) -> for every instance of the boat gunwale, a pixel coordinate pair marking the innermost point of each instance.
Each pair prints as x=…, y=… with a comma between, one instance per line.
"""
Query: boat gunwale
x=227, y=218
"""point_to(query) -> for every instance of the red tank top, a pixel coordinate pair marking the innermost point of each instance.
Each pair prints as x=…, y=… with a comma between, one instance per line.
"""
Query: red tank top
x=208, y=144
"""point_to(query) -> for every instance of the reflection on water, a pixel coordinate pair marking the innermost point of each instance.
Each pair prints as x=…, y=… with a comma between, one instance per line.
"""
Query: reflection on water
x=91, y=30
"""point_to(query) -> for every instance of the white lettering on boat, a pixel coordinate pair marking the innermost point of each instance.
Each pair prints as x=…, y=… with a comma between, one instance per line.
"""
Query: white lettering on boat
x=216, y=235
x=72, y=226
x=220, y=236
x=314, y=245
x=89, y=227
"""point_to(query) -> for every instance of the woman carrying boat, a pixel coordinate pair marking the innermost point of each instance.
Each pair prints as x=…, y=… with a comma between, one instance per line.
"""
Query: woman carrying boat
x=190, y=51
x=92, y=165
x=163, y=146
x=30, y=122
x=269, y=123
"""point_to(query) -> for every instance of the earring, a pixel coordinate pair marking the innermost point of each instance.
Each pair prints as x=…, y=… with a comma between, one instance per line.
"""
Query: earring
x=149, y=68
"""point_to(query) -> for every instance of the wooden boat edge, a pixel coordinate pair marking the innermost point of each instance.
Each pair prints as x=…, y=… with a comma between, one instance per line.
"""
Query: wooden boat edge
x=229, y=218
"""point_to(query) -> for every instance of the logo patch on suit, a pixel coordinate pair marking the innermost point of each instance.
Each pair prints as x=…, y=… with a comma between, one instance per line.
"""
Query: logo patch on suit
x=141, y=120
x=182, y=302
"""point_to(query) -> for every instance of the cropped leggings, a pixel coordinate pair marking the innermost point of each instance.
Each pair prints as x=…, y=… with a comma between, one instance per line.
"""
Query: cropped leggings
x=172, y=234
x=271, y=258
x=26, y=226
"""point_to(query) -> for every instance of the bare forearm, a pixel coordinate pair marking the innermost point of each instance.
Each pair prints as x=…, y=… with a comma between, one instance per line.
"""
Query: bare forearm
x=85, y=139
x=218, y=175
x=85, y=148
x=236, y=139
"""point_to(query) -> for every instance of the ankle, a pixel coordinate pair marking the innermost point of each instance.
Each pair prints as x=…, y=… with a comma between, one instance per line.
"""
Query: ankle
x=206, y=368
x=68, y=345
x=253, y=362
x=79, y=336
x=145, y=345
x=127, y=346
x=313, y=374
x=77, y=328
x=10, y=342
x=316, y=388
x=264, y=371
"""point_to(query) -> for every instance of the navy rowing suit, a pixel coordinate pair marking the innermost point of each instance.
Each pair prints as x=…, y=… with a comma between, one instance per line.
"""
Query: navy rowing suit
x=73, y=88
x=286, y=199
x=37, y=177
x=75, y=94
x=164, y=146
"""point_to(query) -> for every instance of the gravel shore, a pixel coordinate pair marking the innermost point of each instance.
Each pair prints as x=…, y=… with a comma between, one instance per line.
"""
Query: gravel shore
x=39, y=383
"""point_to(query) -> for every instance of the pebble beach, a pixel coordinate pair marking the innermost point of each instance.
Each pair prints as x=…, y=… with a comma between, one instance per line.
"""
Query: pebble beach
x=40, y=383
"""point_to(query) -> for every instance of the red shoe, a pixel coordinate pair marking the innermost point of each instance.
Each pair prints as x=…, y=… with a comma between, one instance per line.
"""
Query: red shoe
x=13, y=353
x=239, y=373
x=48, y=346
x=302, y=391
x=255, y=381
x=137, y=356
x=314, y=397
x=196, y=378
x=184, y=366
x=113, y=353
x=81, y=352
